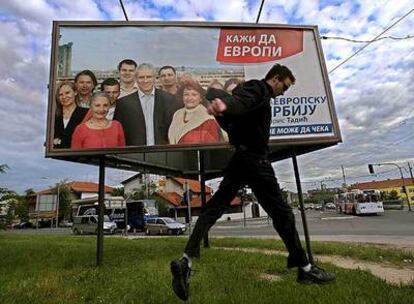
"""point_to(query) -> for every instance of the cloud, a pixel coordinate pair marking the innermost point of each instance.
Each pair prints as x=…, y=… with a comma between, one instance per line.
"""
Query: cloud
x=373, y=92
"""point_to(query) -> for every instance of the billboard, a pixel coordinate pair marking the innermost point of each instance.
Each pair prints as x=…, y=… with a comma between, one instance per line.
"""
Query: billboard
x=121, y=87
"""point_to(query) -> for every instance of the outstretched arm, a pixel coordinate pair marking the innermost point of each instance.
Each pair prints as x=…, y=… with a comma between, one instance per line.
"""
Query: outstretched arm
x=245, y=98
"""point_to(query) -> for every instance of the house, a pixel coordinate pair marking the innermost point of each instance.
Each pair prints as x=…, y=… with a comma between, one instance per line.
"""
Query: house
x=390, y=185
x=173, y=195
x=42, y=204
x=171, y=201
x=134, y=183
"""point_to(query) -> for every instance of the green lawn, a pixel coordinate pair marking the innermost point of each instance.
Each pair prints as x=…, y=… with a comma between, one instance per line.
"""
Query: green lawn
x=61, y=269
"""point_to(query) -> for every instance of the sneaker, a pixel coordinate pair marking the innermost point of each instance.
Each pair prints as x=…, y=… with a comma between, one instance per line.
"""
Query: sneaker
x=315, y=276
x=181, y=274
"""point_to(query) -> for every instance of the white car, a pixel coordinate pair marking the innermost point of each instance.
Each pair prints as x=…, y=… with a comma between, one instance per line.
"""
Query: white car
x=330, y=206
x=164, y=225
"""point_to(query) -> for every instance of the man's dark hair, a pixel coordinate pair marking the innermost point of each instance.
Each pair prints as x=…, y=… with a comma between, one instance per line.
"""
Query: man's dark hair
x=282, y=71
x=109, y=82
x=87, y=73
x=127, y=61
x=166, y=67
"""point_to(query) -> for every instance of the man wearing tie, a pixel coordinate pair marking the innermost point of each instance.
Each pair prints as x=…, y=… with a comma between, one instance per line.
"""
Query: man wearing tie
x=146, y=114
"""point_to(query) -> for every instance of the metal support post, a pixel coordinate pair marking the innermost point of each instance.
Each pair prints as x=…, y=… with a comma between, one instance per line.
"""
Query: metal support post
x=302, y=209
x=126, y=218
x=101, y=209
x=57, y=207
x=202, y=180
x=243, y=192
x=187, y=195
x=37, y=210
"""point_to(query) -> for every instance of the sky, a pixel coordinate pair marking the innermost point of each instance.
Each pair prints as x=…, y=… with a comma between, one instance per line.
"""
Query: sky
x=373, y=92
x=171, y=45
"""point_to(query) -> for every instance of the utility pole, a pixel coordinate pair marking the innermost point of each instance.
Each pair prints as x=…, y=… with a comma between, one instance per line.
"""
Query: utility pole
x=343, y=176
x=411, y=169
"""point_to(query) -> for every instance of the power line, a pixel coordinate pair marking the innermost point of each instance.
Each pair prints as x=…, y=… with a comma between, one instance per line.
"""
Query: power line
x=260, y=11
x=123, y=9
x=368, y=43
x=339, y=178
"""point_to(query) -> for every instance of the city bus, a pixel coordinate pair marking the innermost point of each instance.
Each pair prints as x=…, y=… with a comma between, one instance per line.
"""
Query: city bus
x=359, y=202
x=135, y=211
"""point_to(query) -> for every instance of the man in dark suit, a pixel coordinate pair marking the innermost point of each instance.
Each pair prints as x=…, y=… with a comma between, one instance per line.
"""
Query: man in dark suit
x=146, y=114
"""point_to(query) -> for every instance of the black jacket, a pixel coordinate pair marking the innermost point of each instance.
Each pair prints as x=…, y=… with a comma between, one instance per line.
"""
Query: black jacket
x=248, y=115
x=65, y=134
x=129, y=113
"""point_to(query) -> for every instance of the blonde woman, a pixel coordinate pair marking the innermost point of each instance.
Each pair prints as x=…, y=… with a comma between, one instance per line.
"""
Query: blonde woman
x=68, y=115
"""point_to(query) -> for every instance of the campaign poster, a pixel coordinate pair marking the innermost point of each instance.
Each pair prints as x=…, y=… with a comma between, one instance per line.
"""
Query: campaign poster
x=137, y=86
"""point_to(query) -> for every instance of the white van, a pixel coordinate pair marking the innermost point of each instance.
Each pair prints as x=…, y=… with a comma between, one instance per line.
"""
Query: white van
x=89, y=224
x=164, y=225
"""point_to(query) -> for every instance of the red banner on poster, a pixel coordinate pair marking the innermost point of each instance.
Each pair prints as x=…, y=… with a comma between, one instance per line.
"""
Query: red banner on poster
x=258, y=45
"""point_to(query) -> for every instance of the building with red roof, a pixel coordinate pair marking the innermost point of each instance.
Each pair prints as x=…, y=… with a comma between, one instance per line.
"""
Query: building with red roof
x=390, y=185
x=43, y=204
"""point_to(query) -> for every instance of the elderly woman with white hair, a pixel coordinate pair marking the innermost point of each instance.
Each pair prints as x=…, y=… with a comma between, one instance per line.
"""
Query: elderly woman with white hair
x=98, y=131
x=192, y=124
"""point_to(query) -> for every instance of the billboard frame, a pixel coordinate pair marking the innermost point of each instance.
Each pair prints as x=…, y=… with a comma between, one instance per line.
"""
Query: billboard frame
x=318, y=141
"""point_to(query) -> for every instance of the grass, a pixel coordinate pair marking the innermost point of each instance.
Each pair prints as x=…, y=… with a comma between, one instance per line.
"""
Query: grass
x=56, y=269
x=373, y=253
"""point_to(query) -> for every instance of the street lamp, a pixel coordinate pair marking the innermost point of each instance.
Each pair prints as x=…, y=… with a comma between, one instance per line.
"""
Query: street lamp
x=371, y=171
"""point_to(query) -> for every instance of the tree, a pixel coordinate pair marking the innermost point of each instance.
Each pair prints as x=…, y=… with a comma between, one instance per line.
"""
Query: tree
x=318, y=197
x=65, y=200
x=9, y=197
x=3, y=168
x=29, y=191
x=21, y=208
x=389, y=196
x=118, y=191
x=145, y=192
x=311, y=200
x=163, y=208
x=5, y=194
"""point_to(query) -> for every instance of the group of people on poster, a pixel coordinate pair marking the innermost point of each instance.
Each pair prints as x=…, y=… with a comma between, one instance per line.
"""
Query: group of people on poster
x=132, y=111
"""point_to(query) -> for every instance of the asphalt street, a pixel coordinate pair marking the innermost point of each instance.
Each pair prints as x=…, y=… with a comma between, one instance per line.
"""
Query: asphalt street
x=392, y=228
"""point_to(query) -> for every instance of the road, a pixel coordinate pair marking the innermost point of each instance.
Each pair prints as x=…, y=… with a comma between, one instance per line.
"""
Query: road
x=393, y=228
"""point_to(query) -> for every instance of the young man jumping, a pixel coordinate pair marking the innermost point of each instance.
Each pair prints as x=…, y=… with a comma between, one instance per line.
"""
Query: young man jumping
x=246, y=116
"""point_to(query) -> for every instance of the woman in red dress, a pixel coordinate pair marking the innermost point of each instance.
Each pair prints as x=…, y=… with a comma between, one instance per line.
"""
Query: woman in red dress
x=192, y=124
x=98, y=131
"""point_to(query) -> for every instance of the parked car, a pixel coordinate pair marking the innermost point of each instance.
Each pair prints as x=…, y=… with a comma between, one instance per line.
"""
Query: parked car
x=65, y=224
x=307, y=206
x=23, y=225
x=89, y=224
x=330, y=206
x=164, y=225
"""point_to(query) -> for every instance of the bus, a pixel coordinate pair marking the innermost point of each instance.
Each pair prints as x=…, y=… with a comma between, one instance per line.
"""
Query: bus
x=359, y=202
x=135, y=212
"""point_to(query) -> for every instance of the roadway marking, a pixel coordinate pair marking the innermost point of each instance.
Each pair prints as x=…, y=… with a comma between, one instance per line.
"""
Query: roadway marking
x=338, y=218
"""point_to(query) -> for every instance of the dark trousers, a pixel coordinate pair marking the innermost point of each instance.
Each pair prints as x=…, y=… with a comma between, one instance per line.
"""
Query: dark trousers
x=254, y=170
